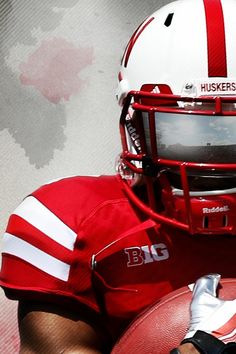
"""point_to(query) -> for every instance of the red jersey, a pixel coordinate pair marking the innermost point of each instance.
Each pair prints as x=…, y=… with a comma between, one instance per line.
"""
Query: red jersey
x=80, y=240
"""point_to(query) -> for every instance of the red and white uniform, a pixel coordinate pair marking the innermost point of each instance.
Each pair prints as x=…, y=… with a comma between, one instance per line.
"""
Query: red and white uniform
x=80, y=240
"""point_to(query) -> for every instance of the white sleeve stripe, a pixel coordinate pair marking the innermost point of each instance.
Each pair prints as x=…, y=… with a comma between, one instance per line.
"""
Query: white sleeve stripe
x=41, y=260
x=36, y=214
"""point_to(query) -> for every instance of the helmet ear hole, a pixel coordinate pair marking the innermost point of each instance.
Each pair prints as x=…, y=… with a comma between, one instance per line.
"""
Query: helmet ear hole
x=169, y=19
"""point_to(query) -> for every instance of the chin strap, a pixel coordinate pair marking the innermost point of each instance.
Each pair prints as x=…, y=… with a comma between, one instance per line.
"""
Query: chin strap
x=148, y=211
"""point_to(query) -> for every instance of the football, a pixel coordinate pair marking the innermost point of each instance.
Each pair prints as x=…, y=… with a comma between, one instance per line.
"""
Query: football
x=162, y=326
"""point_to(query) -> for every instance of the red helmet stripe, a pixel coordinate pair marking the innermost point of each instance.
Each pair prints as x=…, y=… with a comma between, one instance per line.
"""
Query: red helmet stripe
x=217, y=65
x=133, y=39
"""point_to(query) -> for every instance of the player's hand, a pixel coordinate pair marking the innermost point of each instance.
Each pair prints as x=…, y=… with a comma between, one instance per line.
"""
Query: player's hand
x=211, y=314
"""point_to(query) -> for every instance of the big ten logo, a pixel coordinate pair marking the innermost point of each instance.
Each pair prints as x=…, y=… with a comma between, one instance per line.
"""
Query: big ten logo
x=146, y=254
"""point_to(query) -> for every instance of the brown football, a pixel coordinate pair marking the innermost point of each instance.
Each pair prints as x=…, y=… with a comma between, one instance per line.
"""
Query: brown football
x=163, y=325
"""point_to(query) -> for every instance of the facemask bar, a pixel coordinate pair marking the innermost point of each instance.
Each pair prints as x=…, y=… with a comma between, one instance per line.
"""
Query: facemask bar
x=151, y=165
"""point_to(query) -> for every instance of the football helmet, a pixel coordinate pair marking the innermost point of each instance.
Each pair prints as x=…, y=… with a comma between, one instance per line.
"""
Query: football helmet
x=177, y=89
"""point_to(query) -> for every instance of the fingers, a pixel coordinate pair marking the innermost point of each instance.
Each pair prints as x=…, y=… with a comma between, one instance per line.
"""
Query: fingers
x=206, y=284
x=208, y=312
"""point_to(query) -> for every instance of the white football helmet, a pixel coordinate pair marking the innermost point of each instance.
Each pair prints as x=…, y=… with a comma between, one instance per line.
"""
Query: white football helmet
x=177, y=87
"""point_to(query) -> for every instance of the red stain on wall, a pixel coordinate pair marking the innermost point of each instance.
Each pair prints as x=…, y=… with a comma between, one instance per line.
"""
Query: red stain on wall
x=54, y=69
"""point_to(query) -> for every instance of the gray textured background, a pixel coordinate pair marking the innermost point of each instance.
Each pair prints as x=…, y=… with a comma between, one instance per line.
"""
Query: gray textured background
x=59, y=61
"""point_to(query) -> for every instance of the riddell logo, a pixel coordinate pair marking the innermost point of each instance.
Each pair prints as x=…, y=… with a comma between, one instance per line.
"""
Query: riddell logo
x=134, y=136
x=215, y=209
